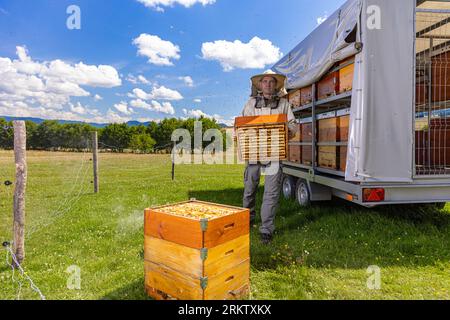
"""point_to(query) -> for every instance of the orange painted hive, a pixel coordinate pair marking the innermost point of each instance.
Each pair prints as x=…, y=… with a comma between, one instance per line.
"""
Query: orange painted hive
x=197, y=251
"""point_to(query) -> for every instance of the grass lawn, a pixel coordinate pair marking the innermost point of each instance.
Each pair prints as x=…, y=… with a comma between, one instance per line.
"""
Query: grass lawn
x=321, y=252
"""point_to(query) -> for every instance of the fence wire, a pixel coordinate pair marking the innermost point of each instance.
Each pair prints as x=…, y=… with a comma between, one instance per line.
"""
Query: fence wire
x=16, y=266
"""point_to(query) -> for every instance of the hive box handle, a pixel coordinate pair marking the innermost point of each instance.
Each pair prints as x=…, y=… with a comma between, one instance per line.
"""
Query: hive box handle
x=229, y=252
x=229, y=226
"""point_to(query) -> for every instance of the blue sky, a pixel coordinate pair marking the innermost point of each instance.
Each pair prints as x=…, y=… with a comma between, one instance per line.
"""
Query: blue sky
x=143, y=59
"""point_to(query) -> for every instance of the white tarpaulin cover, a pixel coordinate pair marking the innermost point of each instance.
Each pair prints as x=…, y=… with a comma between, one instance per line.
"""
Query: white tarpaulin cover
x=381, y=125
x=325, y=46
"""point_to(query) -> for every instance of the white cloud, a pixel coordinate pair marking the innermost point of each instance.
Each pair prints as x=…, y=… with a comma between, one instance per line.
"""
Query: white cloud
x=143, y=80
x=78, y=108
x=165, y=107
x=256, y=54
x=195, y=113
x=159, y=52
x=147, y=120
x=159, y=4
x=187, y=81
x=114, y=117
x=163, y=93
x=322, y=19
x=132, y=79
x=158, y=93
x=31, y=88
x=123, y=108
x=81, y=74
x=50, y=84
x=198, y=100
x=137, y=80
x=199, y=113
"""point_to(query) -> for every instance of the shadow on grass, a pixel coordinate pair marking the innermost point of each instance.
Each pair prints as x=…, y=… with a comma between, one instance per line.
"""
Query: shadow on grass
x=133, y=291
x=341, y=234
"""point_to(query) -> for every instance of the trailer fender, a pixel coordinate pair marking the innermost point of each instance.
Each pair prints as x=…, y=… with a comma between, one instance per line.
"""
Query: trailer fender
x=319, y=192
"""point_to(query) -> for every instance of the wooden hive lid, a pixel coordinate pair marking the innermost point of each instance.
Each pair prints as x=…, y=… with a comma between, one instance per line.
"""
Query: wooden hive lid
x=197, y=210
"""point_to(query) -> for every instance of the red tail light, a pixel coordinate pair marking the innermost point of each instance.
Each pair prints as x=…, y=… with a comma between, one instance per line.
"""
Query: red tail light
x=373, y=195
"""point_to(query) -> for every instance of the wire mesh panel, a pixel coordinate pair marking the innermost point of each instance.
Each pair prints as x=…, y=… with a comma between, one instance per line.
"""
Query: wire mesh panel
x=432, y=105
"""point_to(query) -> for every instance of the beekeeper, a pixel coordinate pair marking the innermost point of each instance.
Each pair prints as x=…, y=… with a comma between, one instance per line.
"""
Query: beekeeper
x=266, y=99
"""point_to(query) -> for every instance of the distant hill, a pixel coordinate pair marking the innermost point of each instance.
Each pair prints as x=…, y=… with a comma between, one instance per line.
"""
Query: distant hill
x=96, y=125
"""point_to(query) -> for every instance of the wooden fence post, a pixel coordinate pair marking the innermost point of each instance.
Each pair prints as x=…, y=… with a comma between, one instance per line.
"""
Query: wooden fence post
x=95, y=160
x=20, y=147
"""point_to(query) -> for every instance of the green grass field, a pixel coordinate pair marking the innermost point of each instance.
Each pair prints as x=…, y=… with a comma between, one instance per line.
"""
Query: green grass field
x=321, y=252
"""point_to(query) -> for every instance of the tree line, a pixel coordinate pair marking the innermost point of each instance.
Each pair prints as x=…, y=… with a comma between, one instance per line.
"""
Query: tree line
x=54, y=136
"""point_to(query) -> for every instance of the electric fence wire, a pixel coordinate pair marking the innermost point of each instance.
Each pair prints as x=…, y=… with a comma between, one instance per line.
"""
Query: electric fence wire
x=57, y=212
x=69, y=202
x=120, y=148
x=15, y=265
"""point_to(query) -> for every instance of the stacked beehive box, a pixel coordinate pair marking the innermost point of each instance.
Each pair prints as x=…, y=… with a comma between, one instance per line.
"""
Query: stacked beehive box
x=421, y=93
x=301, y=97
x=328, y=86
x=343, y=135
x=197, y=251
x=433, y=144
x=306, y=95
x=337, y=82
x=306, y=137
x=262, y=138
x=333, y=129
x=294, y=98
x=300, y=151
x=294, y=146
x=346, y=74
x=440, y=85
x=327, y=128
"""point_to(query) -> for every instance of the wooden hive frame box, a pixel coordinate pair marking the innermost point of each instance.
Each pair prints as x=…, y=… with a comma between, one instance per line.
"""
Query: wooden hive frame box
x=248, y=131
x=294, y=98
x=328, y=86
x=190, y=257
x=346, y=74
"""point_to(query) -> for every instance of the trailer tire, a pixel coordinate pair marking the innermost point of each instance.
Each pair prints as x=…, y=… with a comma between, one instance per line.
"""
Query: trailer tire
x=289, y=187
x=303, y=194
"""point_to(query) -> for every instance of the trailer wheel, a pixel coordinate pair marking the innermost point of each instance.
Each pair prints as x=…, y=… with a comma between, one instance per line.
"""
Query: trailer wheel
x=289, y=186
x=303, y=194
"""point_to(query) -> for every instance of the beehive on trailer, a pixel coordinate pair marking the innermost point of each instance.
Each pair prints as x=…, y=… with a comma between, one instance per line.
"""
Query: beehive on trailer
x=197, y=251
x=333, y=137
x=346, y=74
x=294, y=98
x=262, y=138
x=307, y=140
x=328, y=86
x=306, y=95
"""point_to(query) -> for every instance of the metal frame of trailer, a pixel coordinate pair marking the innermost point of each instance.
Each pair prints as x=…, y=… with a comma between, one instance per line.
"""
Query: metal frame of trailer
x=312, y=183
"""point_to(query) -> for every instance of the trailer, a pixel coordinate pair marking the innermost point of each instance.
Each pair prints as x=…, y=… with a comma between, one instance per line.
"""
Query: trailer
x=397, y=149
